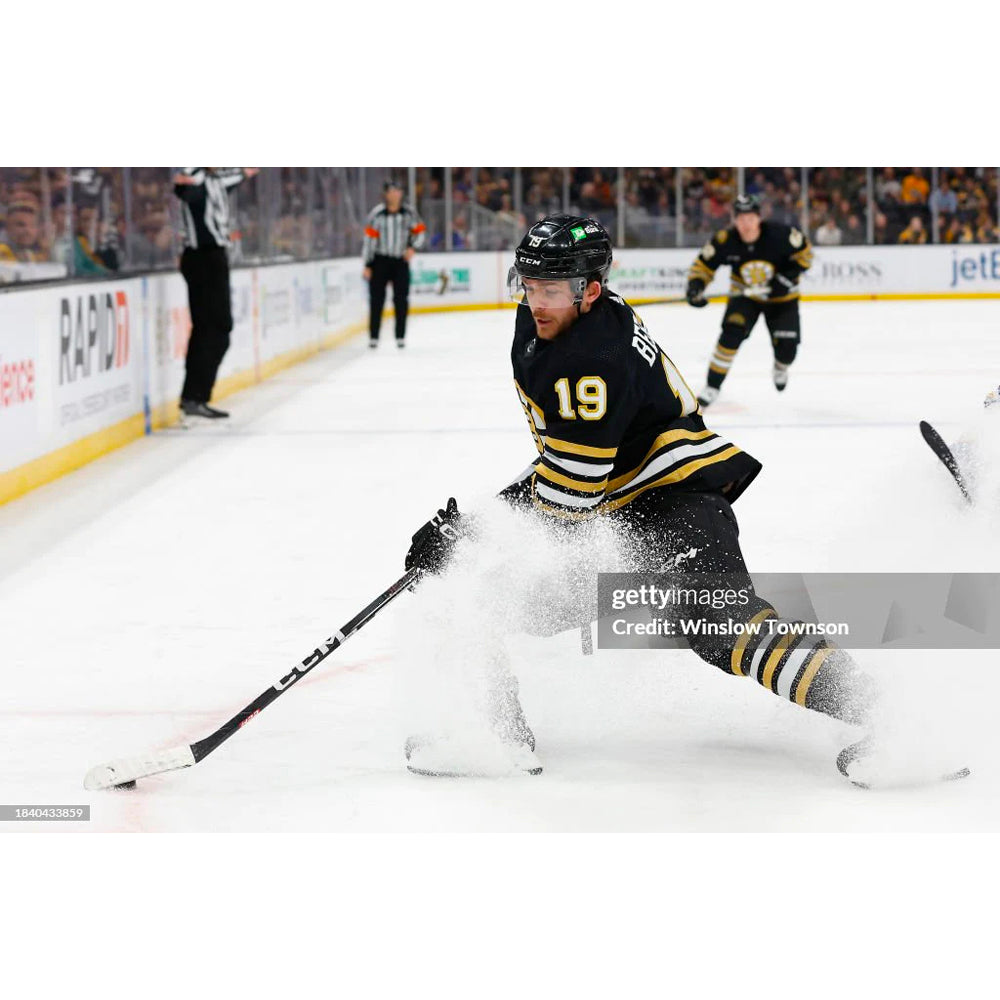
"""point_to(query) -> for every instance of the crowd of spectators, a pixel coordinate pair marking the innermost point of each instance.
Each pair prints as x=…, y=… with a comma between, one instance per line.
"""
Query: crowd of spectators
x=962, y=205
x=97, y=220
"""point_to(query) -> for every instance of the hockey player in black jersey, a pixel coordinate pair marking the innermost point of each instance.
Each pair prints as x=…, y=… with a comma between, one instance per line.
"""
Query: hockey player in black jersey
x=767, y=259
x=620, y=435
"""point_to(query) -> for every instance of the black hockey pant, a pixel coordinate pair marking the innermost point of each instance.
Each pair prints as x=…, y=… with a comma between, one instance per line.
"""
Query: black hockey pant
x=207, y=275
x=386, y=270
x=701, y=529
x=741, y=314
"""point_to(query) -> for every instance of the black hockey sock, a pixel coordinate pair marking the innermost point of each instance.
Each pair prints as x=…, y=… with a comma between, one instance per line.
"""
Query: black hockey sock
x=813, y=674
x=721, y=362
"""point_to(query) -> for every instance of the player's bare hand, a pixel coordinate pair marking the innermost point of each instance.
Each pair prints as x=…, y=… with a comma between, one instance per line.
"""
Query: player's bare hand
x=184, y=179
x=408, y=254
x=251, y=171
x=367, y=274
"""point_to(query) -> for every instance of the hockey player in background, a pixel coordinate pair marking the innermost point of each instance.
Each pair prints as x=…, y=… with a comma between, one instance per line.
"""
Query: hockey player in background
x=620, y=435
x=767, y=259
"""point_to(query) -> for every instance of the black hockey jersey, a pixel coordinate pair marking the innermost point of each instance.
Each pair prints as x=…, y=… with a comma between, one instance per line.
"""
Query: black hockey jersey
x=779, y=249
x=612, y=417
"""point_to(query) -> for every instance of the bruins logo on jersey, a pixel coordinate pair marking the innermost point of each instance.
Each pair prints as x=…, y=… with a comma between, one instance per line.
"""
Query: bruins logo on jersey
x=756, y=272
x=795, y=238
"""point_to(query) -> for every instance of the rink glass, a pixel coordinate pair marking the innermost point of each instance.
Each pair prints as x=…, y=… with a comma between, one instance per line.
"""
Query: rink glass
x=58, y=222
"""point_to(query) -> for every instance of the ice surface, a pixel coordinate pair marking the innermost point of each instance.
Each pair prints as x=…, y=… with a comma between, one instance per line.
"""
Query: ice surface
x=146, y=598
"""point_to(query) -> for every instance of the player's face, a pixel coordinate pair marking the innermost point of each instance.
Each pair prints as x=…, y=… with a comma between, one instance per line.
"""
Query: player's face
x=748, y=226
x=393, y=199
x=552, y=306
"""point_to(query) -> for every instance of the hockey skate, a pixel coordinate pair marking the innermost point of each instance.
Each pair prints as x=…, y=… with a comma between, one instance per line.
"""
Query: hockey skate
x=780, y=375
x=193, y=408
x=482, y=756
x=506, y=747
x=708, y=395
x=871, y=764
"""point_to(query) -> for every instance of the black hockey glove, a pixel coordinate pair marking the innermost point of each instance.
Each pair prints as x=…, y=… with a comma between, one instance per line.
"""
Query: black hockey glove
x=696, y=293
x=781, y=286
x=432, y=544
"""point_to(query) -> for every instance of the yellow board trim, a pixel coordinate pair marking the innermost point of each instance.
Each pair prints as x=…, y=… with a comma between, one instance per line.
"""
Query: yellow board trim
x=39, y=471
x=736, y=657
x=22, y=479
x=580, y=449
x=810, y=672
x=781, y=647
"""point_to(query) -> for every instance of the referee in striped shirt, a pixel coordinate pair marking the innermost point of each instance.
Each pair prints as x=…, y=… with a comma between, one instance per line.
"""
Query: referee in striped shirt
x=204, y=195
x=393, y=233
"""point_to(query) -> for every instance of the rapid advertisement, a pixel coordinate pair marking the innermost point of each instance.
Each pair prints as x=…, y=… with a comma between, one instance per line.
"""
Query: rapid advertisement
x=84, y=365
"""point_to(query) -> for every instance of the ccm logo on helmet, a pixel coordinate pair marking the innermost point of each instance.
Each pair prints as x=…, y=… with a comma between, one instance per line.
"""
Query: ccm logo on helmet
x=529, y=260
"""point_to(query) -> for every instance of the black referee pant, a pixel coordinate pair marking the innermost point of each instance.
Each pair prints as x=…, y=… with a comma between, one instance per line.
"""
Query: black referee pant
x=206, y=272
x=385, y=270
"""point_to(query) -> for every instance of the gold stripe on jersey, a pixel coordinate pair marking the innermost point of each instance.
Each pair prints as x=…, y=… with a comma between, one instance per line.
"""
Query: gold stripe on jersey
x=674, y=457
x=566, y=513
x=700, y=270
x=526, y=400
x=664, y=439
x=561, y=479
x=803, y=258
x=674, y=476
x=533, y=414
x=579, y=449
x=736, y=657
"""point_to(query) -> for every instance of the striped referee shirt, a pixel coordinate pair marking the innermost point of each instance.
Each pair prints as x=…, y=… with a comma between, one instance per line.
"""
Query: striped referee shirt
x=389, y=234
x=205, y=206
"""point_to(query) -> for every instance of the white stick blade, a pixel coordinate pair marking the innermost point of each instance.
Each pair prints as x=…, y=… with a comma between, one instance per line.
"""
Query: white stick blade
x=131, y=768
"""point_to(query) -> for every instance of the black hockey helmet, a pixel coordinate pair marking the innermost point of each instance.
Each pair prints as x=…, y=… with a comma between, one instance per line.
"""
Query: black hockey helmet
x=745, y=204
x=573, y=247
x=392, y=183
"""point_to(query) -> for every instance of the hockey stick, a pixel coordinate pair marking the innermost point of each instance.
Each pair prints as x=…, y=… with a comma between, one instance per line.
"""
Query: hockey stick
x=670, y=302
x=125, y=771
x=937, y=445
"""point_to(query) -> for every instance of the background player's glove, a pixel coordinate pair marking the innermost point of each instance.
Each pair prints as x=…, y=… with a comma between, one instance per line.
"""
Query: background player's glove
x=432, y=544
x=781, y=286
x=993, y=399
x=696, y=293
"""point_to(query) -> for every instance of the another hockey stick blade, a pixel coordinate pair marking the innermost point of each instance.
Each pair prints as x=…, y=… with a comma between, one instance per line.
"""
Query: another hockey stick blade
x=857, y=752
x=943, y=452
x=126, y=770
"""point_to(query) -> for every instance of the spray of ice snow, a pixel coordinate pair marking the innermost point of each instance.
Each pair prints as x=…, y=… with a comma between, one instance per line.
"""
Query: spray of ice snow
x=514, y=572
